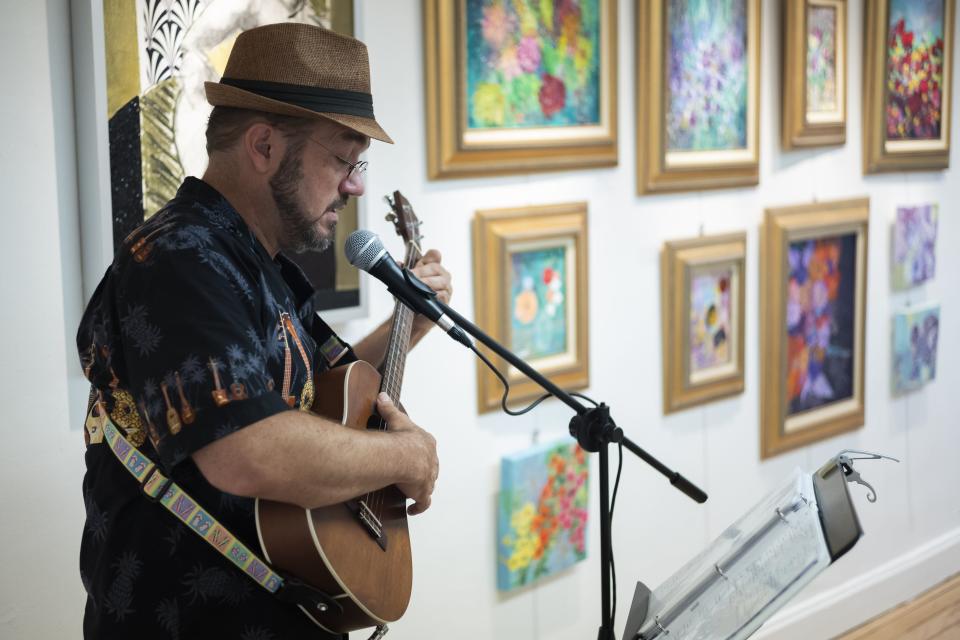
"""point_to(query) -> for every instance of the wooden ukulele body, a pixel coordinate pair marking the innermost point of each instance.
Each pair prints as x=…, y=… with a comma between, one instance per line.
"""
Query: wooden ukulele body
x=335, y=548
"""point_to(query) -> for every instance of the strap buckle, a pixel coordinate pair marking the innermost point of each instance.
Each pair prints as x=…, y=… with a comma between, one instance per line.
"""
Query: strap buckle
x=163, y=488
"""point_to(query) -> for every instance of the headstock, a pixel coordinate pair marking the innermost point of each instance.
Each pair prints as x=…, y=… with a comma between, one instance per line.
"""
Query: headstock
x=404, y=219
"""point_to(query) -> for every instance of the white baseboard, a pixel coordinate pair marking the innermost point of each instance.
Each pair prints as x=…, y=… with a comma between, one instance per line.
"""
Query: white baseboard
x=847, y=605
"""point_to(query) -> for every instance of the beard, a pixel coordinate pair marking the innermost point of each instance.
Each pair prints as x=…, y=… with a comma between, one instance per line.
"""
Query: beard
x=300, y=232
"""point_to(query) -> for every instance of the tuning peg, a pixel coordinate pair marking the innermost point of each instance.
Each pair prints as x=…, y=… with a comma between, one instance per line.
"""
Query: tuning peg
x=391, y=217
x=388, y=200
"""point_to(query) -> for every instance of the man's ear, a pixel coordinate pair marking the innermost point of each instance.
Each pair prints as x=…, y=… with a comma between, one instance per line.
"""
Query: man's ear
x=262, y=144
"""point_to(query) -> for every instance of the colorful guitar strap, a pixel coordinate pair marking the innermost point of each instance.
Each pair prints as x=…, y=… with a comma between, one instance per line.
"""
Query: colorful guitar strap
x=159, y=488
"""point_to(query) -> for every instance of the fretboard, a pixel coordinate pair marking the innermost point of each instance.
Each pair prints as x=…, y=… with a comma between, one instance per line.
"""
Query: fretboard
x=399, y=342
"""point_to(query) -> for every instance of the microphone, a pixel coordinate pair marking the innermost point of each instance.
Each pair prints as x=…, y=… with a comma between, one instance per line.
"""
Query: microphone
x=365, y=251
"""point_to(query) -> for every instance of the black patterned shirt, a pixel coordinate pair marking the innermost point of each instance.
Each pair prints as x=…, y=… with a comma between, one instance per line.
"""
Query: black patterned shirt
x=194, y=332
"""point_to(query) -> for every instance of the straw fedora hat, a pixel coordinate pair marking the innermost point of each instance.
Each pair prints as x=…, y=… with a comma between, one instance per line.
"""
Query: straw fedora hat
x=299, y=70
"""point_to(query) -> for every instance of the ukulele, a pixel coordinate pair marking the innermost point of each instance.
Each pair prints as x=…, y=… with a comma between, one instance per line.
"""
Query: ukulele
x=357, y=552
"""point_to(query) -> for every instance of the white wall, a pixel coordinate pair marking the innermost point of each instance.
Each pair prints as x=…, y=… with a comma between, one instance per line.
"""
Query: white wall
x=41, y=458
x=912, y=533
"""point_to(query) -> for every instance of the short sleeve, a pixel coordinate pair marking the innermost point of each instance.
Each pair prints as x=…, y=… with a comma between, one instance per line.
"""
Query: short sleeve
x=197, y=342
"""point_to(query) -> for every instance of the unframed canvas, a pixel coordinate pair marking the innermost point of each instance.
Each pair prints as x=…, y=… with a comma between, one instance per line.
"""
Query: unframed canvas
x=916, y=333
x=542, y=519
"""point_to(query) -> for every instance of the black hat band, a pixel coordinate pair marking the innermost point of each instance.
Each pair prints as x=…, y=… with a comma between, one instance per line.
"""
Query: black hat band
x=354, y=103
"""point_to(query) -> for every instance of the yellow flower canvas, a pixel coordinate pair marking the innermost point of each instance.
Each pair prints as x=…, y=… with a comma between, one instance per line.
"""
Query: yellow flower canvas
x=542, y=522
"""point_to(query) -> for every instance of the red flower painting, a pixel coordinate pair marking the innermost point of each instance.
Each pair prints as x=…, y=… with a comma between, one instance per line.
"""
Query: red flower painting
x=914, y=80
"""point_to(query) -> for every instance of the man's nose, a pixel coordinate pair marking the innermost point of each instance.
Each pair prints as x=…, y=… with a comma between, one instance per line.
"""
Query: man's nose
x=352, y=184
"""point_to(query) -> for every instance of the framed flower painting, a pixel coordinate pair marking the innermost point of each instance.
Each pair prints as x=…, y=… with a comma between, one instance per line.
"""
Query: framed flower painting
x=530, y=288
x=814, y=73
x=813, y=295
x=520, y=85
x=702, y=297
x=698, y=80
x=907, y=85
x=542, y=519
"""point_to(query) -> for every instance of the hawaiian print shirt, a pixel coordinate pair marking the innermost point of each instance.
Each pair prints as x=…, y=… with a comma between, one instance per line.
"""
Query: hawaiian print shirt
x=193, y=333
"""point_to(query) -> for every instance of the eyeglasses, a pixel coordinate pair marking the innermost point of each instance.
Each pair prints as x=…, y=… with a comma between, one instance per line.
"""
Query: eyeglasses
x=356, y=169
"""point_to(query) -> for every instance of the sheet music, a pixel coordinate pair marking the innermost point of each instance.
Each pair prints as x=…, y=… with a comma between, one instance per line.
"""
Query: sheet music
x=744, y=576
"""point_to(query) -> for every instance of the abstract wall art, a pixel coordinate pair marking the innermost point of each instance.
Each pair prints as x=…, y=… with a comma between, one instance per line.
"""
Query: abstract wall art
x=813, y=284
x=702, y=300
x=530, y=288
x=158, y=55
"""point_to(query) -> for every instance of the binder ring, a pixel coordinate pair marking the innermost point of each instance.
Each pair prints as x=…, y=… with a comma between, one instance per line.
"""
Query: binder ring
x=664, y=630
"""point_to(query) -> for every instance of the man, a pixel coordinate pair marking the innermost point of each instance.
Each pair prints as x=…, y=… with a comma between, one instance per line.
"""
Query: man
x=200, y=347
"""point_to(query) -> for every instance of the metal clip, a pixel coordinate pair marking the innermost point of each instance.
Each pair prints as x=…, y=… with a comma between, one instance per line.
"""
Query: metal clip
x=663, y=629
x=379, y=632
x=845, y=460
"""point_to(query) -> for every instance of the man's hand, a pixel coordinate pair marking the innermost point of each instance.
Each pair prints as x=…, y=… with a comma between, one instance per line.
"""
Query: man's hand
x=435, y=276
x=419, y=449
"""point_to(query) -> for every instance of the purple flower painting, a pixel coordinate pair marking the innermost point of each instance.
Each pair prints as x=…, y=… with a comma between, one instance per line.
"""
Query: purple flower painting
x=820, y=321
x=914, y=246
x=706, y=75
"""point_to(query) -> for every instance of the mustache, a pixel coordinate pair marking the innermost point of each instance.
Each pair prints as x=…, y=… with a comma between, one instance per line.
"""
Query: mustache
x=339, y=203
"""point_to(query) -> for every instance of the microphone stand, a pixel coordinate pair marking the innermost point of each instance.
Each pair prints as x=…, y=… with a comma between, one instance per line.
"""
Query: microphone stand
x=594, y=429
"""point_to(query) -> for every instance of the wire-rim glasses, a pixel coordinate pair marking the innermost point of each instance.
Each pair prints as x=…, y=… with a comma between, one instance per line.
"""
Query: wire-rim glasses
x=356, y=169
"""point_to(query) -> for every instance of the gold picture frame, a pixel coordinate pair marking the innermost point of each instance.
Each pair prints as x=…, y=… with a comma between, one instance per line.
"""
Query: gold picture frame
x=530, y=294
x=891, y=98
x=455, y=149
x=702, y=283
x=813, y=277
x=814, y=73
x=697, y=160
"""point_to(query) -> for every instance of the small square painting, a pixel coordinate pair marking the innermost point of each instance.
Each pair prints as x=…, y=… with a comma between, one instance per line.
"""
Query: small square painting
x=914, y=245
x=542, y=520
x=915, y=337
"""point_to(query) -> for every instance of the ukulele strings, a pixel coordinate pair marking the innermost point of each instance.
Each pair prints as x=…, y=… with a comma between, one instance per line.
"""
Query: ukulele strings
x=395, y=360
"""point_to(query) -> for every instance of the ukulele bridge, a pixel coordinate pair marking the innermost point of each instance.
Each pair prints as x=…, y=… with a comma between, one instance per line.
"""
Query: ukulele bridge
x=371, y=523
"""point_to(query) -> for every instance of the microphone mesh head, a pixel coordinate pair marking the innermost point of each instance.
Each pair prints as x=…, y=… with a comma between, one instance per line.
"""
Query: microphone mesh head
x=363, y=248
